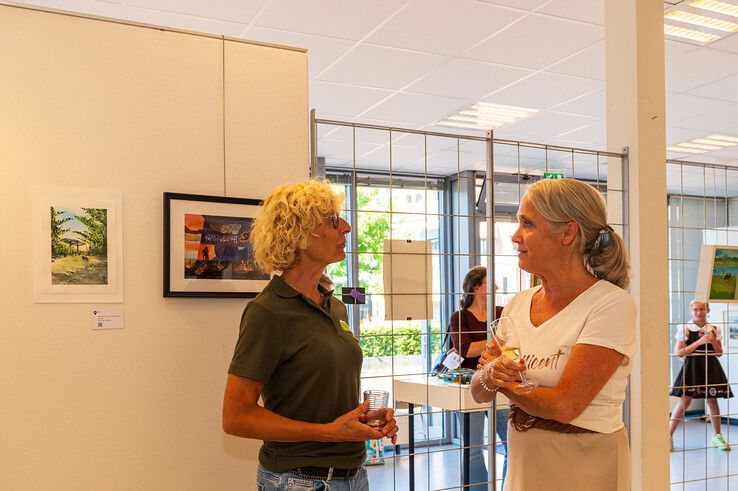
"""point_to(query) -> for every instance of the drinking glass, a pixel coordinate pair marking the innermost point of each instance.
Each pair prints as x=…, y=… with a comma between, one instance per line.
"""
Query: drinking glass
x=506, y=336
x=376, y=415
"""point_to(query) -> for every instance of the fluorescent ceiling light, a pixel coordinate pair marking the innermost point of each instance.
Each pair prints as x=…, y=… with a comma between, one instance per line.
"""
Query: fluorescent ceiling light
x=684, y=150
x=702, y=21
x=457, y=124
x=715, y=6
x=487, y=116
x=699, y=146
x=709, y=141
x=691, y=34
x=723, y=138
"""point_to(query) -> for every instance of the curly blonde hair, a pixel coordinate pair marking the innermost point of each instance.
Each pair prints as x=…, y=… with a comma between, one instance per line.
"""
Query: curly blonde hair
x=288, y=215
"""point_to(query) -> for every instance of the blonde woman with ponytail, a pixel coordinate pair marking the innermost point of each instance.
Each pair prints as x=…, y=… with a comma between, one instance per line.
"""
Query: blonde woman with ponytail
x=577, y=339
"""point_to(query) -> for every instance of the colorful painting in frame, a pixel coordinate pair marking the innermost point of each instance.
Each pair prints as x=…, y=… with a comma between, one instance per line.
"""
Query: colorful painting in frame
x=78, y=251
x=717, y=278
x=207, y=247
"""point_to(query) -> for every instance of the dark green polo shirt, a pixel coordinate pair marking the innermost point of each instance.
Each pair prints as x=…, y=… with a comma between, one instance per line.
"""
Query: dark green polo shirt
x=310, y=367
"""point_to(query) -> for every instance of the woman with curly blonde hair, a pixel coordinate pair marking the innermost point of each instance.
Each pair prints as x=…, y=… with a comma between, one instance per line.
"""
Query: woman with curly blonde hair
x=296, y=351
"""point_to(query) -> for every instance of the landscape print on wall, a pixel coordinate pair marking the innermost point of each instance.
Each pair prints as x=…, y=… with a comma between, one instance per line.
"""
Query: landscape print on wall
x=219, y=247
x=79, y=246
x=724, y=275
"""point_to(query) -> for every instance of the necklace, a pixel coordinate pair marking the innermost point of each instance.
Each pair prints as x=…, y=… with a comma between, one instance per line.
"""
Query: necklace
x=294, y=287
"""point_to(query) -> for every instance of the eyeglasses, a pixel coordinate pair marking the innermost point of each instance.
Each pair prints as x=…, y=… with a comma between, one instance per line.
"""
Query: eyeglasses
x=335, y=219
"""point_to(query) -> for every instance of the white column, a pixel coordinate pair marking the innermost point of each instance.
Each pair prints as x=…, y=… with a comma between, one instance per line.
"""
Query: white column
x=634, y=53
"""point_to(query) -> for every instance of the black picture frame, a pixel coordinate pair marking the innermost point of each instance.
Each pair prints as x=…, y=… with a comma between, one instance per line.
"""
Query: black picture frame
x=218, y=264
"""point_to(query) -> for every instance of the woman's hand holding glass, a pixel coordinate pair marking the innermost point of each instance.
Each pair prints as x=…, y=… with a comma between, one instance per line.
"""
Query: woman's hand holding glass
x=501, y=372
x=501, y=361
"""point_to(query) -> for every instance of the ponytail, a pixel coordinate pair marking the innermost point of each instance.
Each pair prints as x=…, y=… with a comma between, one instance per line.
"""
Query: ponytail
x=603, y=251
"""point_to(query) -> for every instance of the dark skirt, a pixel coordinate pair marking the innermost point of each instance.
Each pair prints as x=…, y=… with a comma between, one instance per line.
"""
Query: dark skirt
x=702, y=377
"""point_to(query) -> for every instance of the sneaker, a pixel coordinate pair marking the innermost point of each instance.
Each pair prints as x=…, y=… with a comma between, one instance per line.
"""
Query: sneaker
x=671, y=444
x=719, y=443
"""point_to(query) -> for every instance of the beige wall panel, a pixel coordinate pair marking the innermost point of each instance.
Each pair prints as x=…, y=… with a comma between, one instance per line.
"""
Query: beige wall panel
x=94, y=104
x=257, y=146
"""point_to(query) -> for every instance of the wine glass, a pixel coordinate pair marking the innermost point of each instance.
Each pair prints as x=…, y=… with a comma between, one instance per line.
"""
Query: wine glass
x=506, y=336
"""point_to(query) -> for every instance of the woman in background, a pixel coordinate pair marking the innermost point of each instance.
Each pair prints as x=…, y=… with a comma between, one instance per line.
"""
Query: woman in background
x=296, y=351
x=468, y=332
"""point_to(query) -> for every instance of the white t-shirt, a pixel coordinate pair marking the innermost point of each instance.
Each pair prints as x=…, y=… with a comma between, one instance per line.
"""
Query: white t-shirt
x=603, y=315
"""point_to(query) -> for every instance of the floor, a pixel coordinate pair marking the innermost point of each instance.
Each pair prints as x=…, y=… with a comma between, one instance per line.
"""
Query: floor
x=444, y=471
x=695, y=465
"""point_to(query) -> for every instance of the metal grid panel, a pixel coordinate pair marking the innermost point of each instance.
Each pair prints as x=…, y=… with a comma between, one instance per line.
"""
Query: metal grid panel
x=702, y=209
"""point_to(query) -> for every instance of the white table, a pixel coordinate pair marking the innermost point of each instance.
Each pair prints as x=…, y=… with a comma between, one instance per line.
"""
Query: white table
x=425, y=390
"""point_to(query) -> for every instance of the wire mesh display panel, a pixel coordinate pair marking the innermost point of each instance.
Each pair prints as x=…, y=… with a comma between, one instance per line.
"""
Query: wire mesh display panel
x=419, y=206
x=702, y=209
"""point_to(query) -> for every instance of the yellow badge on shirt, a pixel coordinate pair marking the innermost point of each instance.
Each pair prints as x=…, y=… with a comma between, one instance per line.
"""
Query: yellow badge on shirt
x=345, y=326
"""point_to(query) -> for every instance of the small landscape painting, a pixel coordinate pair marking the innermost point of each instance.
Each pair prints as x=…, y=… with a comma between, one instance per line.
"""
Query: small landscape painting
x=724, y=274
x=79, y=246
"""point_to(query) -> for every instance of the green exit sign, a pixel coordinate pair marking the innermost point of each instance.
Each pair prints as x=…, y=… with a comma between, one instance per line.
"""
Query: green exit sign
x=553, y=175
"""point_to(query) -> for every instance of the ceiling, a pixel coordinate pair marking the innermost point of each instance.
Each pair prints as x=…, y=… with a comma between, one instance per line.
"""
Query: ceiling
x=411, y=63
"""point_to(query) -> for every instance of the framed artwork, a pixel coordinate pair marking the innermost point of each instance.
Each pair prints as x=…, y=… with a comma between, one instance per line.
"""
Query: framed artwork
x=207, y=247
x=78, y=245
x=717, y=278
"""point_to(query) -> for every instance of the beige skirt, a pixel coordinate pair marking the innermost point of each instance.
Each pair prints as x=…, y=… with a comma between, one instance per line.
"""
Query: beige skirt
x=541, y=459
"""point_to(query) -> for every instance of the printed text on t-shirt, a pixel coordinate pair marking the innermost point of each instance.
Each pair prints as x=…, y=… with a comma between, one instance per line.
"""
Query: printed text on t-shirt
x=551, y=362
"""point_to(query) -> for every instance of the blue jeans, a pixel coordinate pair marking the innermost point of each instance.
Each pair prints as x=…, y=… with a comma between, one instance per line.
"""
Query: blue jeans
x=477, y=462
x=267, y=480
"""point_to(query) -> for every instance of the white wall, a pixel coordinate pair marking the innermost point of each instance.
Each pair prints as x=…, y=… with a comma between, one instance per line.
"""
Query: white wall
x=95, y=104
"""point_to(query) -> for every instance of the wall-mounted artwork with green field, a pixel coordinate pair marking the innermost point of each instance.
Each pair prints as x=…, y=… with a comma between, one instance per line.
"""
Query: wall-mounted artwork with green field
x=724, y=274
x=79, y=246
x=717, y=278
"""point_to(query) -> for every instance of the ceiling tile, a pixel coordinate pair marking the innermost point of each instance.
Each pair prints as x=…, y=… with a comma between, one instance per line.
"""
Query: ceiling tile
x=178, y=21
x=682, y=106
x=713, y=121
x=595, y=135
x=544, y=90
x=588, y=63
x=329, y=18
x=549, y=124
x=442, y=26
x=519, y=4
x=528, y=42
x=416, y=108
x=236, y=11
x=699, y=67
x=676, y=135
x=675, y=49
x=343, y=100
x=106, y=9
x=592, y=104
x=467, y=79
x=322, y=51
x=342, y=150
x=386, y=68
x=726, y=89
x=729, y=43
x=453, y=131
x=592, y=11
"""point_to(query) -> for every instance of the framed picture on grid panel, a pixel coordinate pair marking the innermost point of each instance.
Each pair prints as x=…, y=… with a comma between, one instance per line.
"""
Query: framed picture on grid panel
x=717, y=276
x=207, y=247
